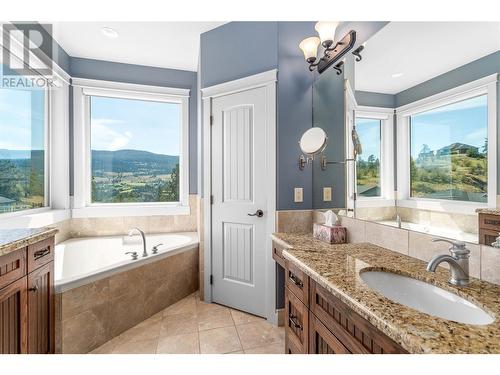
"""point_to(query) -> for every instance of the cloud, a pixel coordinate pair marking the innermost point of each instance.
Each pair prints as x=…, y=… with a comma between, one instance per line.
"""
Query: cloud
x=105, y=138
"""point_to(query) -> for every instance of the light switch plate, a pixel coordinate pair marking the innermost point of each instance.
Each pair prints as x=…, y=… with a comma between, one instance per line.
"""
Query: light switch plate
x=327, y=194
x=298, y=195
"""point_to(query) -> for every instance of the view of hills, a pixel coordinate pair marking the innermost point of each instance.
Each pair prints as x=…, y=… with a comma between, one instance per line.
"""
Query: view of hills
x=132, y=161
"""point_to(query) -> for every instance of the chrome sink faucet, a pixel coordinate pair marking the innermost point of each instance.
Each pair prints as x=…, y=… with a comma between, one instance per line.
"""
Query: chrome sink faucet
x=135, y=229
x=458, y=261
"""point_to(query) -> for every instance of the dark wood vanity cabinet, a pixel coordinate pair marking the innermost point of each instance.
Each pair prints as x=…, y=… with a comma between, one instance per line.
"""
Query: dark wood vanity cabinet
x=27, y=299
x=489, y=228
x=317, y=322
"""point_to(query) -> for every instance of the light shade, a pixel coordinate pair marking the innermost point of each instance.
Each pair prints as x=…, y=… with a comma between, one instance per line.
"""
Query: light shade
x=309, y=47
x=326, y=30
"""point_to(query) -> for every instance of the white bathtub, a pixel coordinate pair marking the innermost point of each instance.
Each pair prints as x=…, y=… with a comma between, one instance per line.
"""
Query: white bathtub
x=79, y=261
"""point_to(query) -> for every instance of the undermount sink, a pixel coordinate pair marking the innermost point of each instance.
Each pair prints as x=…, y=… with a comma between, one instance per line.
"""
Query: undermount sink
x=425, y=297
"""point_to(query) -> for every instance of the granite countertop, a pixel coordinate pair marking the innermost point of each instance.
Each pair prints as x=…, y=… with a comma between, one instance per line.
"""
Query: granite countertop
x=489, y=211
x=14, y=239
x=337, y=267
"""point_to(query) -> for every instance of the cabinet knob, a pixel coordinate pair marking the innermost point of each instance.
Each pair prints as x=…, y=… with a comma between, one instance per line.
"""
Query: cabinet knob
x=34, y=288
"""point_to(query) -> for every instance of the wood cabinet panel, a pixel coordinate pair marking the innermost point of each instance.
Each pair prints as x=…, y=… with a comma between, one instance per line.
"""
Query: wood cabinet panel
x=277, y=254
x=12, y=267
x=322, y=341
x=13, y=318
x=40, y=253
x=356, y=334
x=298, y=283
x=296, y=323
x=41, y=310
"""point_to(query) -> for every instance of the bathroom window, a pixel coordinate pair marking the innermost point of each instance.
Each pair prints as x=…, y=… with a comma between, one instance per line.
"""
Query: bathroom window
x=449, y=151
x=368, y=163
x=23, y=156
x=131, y=149
x=135, y=149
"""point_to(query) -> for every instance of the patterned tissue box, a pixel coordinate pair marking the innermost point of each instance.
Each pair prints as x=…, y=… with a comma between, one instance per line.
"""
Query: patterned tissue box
x=335, y=234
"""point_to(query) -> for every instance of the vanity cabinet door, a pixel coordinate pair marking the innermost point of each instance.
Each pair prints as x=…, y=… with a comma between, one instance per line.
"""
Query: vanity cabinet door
x=296, y=323
x=13, y=317
x=322, y=341
x=357, y=334
x=41, y=310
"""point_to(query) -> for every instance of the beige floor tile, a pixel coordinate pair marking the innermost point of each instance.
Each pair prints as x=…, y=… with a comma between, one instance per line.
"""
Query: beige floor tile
x=217, y=318
x=240, y=317
x=184, y=306
x=138, y=347
x=277, y=348
x=219, y=341
x=181, y=344
x=173, y=325
x=204, y=307
x=236, y=352
x=146, y=330
x=106, y=348
x=257, y=334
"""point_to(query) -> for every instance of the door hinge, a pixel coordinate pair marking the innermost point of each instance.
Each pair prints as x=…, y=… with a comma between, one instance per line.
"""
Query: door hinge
x=211, y=279
x=211, y=119
x=211, y=199
x=355, y=196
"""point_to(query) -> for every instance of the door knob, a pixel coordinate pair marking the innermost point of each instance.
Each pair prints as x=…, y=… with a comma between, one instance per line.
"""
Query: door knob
x=258, y=213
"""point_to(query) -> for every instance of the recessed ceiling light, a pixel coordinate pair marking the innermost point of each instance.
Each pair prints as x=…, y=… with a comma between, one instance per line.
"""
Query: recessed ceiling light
x=397, y=75
x=109, y=32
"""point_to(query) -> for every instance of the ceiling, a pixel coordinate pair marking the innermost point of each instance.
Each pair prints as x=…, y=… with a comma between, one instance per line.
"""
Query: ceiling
x=172, y=45
x=418, y=51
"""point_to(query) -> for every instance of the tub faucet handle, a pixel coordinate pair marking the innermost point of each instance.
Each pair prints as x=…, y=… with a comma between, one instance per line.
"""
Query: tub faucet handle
x=154, y=250
x=133, y=254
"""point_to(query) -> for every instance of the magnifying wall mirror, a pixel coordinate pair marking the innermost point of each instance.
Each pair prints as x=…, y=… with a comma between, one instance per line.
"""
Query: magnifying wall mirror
x=313, y=142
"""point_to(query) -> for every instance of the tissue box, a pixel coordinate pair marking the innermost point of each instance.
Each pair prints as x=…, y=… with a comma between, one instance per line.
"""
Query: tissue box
x=335, y=234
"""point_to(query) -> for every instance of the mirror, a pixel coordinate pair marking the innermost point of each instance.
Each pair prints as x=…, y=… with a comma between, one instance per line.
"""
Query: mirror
x=421, y=115
x=313, y=141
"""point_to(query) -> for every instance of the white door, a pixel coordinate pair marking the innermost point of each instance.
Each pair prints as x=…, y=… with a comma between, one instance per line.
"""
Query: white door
x=239, y=190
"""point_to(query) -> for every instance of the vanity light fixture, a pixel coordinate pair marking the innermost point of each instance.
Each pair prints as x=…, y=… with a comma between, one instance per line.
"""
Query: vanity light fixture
x=109, y=32
x=332, y=52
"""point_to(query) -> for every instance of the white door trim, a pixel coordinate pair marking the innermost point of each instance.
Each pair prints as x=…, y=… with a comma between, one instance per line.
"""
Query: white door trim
x=268, y=80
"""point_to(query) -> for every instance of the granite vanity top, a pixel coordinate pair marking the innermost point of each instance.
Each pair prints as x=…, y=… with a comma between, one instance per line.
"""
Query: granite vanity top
x=13, y=239
x=489, y=211
x=337, y=267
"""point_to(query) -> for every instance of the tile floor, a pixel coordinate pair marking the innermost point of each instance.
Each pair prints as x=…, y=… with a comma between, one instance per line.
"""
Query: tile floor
x=191, y=327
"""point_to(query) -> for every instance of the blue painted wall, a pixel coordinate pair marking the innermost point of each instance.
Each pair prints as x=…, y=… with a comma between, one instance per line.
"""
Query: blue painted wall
x=375, y=99
x=145, y=75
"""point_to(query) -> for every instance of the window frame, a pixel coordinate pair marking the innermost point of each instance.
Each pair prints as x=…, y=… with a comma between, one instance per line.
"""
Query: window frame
x=484, y=86
x=386, y=117
x=83, y=89
x=56, y=133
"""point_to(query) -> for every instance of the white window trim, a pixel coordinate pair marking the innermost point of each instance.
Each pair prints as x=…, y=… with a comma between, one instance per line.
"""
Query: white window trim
x=386, y=117
x=82, y=89
x=484, y=86
x=56, y=148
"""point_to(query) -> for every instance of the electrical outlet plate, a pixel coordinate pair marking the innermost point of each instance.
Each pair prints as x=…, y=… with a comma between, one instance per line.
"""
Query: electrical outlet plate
x=298, y=195
x=327, y=194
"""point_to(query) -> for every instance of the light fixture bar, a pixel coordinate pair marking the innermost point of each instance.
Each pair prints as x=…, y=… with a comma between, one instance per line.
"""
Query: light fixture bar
x=333, y=54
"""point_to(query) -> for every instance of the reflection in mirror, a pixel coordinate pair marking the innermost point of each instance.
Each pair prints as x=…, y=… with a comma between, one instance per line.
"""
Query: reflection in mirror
x=428, y=126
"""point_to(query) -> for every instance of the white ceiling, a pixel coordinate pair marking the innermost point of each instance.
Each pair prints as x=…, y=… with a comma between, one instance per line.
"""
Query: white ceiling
x=421, y=51
x=172, y=45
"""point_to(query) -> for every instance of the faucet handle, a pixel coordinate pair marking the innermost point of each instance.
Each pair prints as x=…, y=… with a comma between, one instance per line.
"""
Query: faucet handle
x=133, y=253
x=457, y=247
x=154, y=250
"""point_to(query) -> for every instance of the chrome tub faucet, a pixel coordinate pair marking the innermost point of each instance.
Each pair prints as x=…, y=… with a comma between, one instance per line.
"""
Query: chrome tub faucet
x=131, y=233
x=458, y=261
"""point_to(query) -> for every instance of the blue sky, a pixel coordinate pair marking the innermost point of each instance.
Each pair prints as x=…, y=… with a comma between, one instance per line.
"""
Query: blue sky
x=465, y=122
x=118, y=124
x=369, y=136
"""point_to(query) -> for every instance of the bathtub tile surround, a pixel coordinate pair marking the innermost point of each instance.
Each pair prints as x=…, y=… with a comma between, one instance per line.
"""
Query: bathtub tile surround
x=94, y=313
x=192, y=326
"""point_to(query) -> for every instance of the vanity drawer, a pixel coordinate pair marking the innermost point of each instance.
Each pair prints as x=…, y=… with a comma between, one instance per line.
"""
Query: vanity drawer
x=487, y=236
x=277, y=254
x=40, y=253
x=354, y=332
x=296, y=323
x=491, y=222
x=298, y=283
x=12, y=267
x=322, y=341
